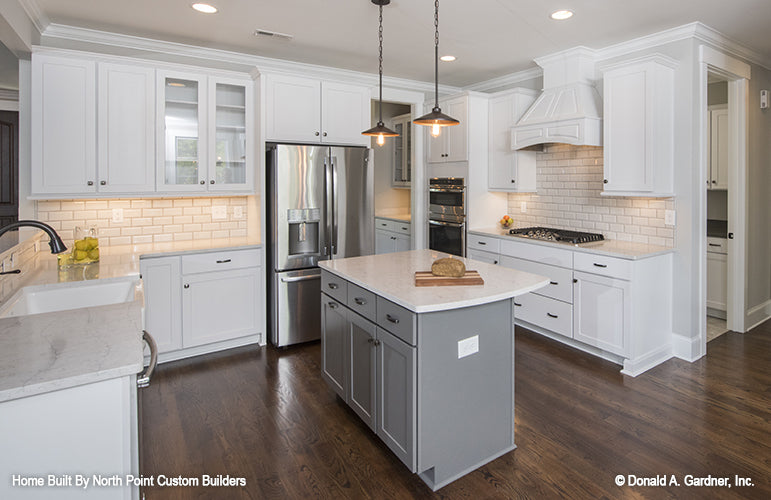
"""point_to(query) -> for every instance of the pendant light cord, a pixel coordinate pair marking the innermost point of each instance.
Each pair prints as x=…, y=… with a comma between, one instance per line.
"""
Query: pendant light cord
x=436, y=53
x=380, y=67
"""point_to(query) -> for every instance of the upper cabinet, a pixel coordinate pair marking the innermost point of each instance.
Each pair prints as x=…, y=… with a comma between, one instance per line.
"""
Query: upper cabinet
x=401, y=167
x=452, y=143
x=508, y=169
x=718, y=147
x=313, y=111
x=109, y=129
x=638, y=134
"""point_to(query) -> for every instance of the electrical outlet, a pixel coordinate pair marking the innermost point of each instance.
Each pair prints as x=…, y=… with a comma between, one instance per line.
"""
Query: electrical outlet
x=238, y=212
x=219, y=212
x=469, y=346
x=669, y=217
x=117, y=215
x=523, y=207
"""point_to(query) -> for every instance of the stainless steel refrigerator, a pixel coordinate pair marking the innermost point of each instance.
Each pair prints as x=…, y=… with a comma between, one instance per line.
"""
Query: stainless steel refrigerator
x=320, y=206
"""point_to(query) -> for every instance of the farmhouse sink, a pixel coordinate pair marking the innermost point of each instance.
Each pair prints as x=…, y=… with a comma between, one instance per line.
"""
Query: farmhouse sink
x=64, y=296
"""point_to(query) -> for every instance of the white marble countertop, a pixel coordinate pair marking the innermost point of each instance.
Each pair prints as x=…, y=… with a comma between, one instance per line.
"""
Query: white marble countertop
x=47, y=352
x=396, y=216
x=613, y=248
x=392, y=276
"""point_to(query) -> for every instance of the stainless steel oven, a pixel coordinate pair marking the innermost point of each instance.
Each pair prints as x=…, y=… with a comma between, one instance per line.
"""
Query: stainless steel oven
x=447, y=215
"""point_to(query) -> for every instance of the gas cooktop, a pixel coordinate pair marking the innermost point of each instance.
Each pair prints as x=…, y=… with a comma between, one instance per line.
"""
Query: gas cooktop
x=560, y=235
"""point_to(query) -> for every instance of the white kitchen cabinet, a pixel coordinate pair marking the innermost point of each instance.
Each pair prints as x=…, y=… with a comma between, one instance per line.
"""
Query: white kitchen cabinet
x=401, y=166
x=204, y=302
x=718, y=147
x=161, y=279
x=308, y=110
x=638, y=127
x=126, y=128
x=231, y=162
x=63, y=116
x=452, y=143
x=717, y=274
x=602, y=312
x=392, y=236
x=509, y=170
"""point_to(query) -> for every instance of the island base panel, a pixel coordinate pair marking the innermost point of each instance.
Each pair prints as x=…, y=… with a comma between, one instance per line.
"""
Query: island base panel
x=465, y=404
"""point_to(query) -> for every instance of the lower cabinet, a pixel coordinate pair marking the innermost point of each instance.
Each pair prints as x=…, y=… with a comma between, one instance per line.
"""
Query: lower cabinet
x=601, y=312
x=717, y=280
x=374, y=372
x=392, y=236
x=199, y=303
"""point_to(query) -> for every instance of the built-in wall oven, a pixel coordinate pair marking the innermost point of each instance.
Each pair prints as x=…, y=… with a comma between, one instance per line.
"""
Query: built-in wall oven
x=447, y=215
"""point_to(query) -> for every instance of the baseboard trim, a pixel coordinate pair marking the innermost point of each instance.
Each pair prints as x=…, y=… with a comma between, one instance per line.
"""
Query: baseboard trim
x=686, y=348
x=644, y=363
x=757, y=315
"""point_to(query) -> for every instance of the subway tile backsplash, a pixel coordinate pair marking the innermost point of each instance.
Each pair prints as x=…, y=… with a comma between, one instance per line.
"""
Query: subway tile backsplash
x=148, y=220
x=569, y=183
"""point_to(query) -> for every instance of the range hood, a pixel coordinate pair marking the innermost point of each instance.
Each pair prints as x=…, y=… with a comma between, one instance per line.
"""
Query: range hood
x=569, y=110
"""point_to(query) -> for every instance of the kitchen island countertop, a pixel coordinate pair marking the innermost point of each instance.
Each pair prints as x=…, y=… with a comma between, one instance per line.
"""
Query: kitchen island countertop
x=392, y=276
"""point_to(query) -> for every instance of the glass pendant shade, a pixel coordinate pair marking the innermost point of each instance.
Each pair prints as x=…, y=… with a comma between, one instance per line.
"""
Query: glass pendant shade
x=436, y=119
x=380, y=130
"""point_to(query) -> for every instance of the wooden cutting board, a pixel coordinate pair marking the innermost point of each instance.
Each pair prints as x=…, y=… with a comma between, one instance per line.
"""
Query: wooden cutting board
x=425, y=278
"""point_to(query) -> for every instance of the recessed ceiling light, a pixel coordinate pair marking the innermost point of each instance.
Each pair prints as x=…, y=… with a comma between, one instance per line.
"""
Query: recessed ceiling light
x=205, y=8
x=447, y=58
x=561, y=15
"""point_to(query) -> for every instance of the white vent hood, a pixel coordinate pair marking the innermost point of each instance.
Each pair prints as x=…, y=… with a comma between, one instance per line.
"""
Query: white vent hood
x=569, y=110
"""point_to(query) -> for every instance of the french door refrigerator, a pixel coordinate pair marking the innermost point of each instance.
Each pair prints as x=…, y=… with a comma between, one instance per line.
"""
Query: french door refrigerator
x=320, y=206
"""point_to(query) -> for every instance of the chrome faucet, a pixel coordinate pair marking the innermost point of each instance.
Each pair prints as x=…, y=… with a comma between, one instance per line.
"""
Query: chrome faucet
x=56, y=243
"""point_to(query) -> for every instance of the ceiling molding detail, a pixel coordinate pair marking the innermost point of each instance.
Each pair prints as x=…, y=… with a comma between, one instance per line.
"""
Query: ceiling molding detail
x=510, y=80
x=35, y=15
x=263, y=64
x=9, y=95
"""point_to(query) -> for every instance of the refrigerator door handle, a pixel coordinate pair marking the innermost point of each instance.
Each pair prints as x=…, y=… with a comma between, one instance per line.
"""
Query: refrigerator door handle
x=333, y=217
x=327, y=198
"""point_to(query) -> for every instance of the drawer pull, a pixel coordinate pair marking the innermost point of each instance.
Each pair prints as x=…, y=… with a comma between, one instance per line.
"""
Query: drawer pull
x=481, y=243
x=360, y=301
x=405, y=229
x=223, y=261
x=600, y=265
x=333, y=286
x=715, y=245
x=393, y=320
x=554, y=283
x=552, y=315
x=332, y=305
x=518, y=305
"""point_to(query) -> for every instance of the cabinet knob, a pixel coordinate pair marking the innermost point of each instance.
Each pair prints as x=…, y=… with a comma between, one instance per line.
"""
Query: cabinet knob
x=90, y=183
x=332, y=305
x=513, y=181
x=495, y=262
x=203, y=182
x=575, y=280
x=211, y=181
x=324, y=134
x=103, y=183
x=316, y=134
x=605, y=181
x=714, y=182
x=187, y=285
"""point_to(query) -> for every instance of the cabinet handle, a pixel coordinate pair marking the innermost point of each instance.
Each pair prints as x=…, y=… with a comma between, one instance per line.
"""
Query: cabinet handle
x=552, y=315
x=360, y=301
x=90, y=183
x=103, y=183
x=554, y=283
x=333, y=286
x=600, y=265
x=316, y=134
x=203, y=182
x=481, y=243
x=332, y=305
x=223, y=261
x=518, y=305
x=714, y=245
x=211, y=181
x=187, y=285
x=393, y=320
x=605, y=181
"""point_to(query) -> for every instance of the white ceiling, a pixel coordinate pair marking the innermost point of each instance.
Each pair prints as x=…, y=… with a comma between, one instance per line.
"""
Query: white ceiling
x=490, y=37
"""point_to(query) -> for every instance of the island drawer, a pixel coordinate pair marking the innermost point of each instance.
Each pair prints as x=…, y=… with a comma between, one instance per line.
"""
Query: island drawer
x=560, y=285
x=397, y=320
x=486, y=243
x=548, y=313
x=334, y=286
x=221, y=261
x=606, y=266
x=538, y=253
x=362, y=301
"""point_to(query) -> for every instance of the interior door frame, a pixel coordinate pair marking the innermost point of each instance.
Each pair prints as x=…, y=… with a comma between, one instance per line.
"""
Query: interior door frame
x=737, y=73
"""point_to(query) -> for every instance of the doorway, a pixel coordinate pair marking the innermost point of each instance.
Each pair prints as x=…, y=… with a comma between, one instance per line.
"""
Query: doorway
x=9, y=167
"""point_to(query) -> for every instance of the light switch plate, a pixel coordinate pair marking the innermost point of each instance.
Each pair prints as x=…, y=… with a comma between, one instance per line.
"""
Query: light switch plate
x=669, y=217
x=467, y=347
x=117, y=215
x=219, y=212
x=524, y=207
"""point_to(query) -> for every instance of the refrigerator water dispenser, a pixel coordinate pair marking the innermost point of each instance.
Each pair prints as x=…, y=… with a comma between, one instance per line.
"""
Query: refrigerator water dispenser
x=303, y=231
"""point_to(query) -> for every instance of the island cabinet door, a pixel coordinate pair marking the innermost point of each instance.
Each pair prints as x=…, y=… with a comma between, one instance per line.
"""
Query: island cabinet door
x=396, y=420
x=334, y=327
x=361, y=343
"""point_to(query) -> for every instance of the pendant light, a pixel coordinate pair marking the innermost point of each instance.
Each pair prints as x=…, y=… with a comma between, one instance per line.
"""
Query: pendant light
x=436, y=119
x=380, y=130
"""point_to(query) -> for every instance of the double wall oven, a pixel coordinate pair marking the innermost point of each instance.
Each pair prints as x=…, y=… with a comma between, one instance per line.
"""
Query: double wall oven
x=447, y=215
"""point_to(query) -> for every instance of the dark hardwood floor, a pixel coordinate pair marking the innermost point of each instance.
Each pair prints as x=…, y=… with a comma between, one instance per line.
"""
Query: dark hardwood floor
x=265, y=415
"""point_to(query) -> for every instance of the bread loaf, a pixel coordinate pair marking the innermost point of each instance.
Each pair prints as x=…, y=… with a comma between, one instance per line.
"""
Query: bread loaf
x=448, y=267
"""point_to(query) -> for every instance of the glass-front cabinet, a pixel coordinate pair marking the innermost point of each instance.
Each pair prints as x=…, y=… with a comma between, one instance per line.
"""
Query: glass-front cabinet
x=401, y=170
x=203, y=125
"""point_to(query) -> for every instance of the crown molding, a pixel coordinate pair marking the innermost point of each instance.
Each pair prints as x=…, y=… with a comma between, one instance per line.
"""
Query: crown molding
x=262, y=64
x=35, y=15
x=9, y=95
x=511, y=79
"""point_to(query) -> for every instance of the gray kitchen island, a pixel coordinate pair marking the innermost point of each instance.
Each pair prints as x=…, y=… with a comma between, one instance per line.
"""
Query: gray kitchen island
x=429, y=369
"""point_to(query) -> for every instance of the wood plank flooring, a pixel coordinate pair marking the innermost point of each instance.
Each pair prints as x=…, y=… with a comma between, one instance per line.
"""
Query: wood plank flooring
x=265, y=415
